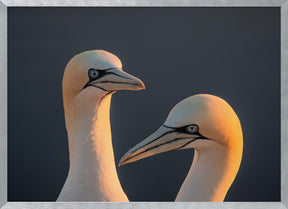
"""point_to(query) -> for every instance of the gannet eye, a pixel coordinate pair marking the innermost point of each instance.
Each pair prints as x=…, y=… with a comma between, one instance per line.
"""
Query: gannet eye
x=93, y=74
x=191, y=129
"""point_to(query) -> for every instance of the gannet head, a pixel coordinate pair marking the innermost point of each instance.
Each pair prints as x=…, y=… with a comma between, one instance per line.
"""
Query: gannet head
x=97, y=73
x=200, y=121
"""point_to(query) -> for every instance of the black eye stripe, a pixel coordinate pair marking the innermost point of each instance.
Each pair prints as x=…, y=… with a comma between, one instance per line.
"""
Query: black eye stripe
x=183, y=129
x=101, y=73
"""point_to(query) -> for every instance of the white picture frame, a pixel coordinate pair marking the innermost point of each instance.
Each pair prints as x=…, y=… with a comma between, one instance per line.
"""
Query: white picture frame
x=4, y=4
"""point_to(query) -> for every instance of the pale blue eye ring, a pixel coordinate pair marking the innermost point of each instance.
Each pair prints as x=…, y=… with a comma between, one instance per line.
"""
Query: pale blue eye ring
x=93, y=74
x=191, y=129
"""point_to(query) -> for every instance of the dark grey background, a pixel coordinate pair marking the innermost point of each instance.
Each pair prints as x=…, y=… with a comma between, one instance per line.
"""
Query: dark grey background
x=233, y=53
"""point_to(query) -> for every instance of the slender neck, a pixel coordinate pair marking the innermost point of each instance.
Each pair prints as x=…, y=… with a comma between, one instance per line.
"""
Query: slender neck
x=92, y=175
x=212, y=172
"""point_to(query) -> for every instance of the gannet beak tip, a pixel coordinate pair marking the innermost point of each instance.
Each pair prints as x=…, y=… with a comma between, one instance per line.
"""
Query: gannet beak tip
x=120, y=163
x=123, y=159
x=142, y=86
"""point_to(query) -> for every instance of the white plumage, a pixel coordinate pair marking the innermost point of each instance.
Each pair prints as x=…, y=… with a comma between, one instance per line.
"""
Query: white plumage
x=209, y=125
x=89, y=80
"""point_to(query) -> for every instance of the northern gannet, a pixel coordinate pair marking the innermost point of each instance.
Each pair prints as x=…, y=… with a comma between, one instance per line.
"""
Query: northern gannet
x=89, y=80
x=209, y=125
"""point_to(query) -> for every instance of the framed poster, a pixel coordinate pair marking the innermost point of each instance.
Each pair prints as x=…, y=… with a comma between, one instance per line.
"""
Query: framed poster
x=237, y=51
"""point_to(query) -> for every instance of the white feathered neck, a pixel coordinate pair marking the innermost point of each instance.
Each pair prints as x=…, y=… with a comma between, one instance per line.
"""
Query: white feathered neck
x=92, y=175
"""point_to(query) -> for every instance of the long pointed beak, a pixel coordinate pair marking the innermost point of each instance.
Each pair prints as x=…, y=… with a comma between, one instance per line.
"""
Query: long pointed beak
x=163, y=140
x=116, y=79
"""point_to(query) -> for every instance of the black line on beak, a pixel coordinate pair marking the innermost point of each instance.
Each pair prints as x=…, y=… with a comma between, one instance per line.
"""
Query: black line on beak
x=104, y=72
x=94, y=86
x=175, y=129
x=189, y=142
x=168, y=142
x=118, y=74
x=152, y=147
x=157, y=138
